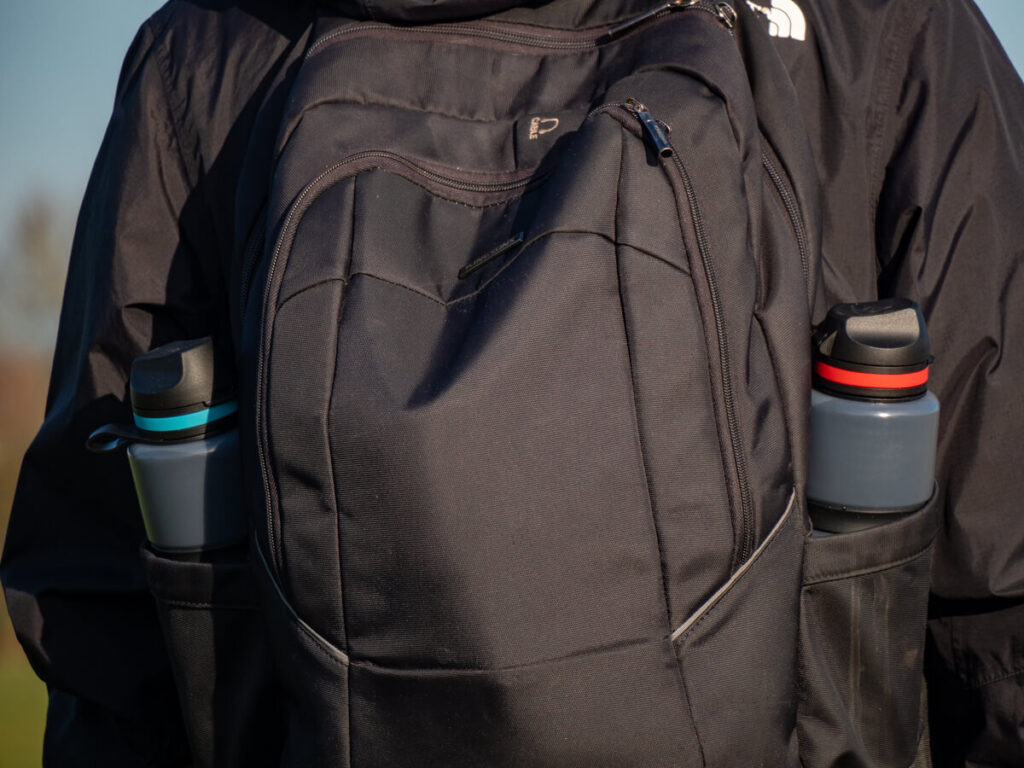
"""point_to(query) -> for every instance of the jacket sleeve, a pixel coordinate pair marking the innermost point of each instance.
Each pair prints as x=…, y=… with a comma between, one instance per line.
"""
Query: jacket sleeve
x=950, y=234
x=71, y=567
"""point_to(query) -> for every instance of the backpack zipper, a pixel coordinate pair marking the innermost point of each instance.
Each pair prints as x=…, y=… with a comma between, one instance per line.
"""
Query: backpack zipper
x=721, y=11
x=658, y=133
x=783, y=187
x=657, y=130
x=556, y=39
x=364, y=161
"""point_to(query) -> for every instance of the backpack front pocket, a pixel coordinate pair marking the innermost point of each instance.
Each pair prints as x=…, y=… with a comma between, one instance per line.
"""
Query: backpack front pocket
x=515, y=426
x=455, y=456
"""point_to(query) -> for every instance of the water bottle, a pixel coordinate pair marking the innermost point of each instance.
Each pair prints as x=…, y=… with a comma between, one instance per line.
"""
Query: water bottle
x=182, y=449
x=874, y=424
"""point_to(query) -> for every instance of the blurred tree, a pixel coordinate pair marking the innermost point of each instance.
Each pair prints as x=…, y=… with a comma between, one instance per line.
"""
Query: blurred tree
x=32, y=270
x=32, y=277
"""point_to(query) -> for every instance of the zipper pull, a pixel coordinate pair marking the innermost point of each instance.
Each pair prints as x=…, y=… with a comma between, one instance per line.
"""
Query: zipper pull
x=643, y=18
x=657, y=131
x=726, y=14
x=723, y=11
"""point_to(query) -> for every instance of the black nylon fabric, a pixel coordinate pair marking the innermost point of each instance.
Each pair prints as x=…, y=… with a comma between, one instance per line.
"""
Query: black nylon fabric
x=475, y=496
x=540, y=12
x=910, y=117
x=213, y=628
x=863, y=609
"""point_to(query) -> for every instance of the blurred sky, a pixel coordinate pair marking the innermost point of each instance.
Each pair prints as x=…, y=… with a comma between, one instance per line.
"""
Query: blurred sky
x=59, y=61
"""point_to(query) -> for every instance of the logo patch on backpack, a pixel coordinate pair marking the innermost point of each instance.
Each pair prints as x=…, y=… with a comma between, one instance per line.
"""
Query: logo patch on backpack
x=535, y=135
x=542, y=125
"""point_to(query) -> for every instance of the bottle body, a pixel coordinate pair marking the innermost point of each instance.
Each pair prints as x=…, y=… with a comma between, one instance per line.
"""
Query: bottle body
x=870, y=460
x=874, y=424
x=189, y=492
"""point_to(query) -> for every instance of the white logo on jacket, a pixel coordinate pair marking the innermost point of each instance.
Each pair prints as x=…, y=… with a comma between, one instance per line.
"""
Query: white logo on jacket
x=785, y=19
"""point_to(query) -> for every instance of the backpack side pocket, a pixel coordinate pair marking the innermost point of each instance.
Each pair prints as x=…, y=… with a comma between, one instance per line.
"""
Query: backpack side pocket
x=863, y=608
x=217, y=644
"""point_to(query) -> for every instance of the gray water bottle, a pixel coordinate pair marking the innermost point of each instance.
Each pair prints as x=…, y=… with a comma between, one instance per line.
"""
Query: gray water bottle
x=874, y=424
x=182, y=448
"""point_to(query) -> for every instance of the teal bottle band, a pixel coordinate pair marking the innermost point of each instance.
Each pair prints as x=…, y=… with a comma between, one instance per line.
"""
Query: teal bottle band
x=187, y=420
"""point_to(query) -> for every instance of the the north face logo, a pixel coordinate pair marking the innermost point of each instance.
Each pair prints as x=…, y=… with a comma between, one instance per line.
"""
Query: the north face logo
x=785, y=19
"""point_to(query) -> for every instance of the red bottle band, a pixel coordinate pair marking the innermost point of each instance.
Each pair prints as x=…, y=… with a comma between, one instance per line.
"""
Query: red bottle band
x=863, y=380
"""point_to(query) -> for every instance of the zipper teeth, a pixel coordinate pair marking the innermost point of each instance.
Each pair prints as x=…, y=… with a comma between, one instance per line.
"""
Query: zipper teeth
x=637, y=111
x=444, y=30
x=449, y=181
x=794, y=215
x=285, y=229
x=723, y=357
x=261, y=442
x=723, y=12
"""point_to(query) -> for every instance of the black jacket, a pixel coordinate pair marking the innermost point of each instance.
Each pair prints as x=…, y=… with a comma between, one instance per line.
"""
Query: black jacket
x=916, y=118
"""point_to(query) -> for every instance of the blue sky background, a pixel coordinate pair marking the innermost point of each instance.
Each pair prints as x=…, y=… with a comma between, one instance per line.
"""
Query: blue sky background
x=59, y=62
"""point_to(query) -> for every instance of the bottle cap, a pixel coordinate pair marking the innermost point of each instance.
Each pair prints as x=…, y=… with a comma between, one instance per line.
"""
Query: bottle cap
x=875, y=350
x=179, y=391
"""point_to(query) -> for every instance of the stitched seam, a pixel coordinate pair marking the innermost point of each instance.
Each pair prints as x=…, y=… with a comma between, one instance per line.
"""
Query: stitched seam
x=636, y=420
x=325, y=647
x=348, y=712
x=310, y=287
x=345, y=280
x=998, y=678
x=689, y=708
x=885, y=89
x=471, y=42
x=503, y=201
x=652, y=255
x=413, y=178
x=409, y=288
x=403, y=107
x=330, y=459
x=217, y=606
x=710, y=342
x=506, y=265
x=348, y=668
x=787, y=423
x=840, y=575
x=763, y=553
x=177, y=126
x=387, y=666
x=772, y=156
x=633, y=398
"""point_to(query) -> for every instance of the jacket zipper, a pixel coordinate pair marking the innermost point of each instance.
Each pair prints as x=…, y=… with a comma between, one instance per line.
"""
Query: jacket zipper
x=566, y=40
x=658, y=133
x=363, y=161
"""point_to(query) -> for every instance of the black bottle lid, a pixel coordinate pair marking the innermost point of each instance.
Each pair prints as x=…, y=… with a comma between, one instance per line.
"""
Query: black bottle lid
x=179, y=391
x=876, y=350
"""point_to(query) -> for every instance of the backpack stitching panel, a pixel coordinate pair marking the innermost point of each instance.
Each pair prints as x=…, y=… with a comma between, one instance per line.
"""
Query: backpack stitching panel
x=719, y=596
x=643, y=463
x=331, y=453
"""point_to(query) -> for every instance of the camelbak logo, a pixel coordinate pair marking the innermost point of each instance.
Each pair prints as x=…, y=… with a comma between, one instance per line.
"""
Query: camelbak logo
x=541, y=125
x=785, y=19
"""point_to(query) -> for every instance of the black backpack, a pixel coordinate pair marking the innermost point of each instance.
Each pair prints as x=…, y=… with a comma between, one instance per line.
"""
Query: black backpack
x=526, y=372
